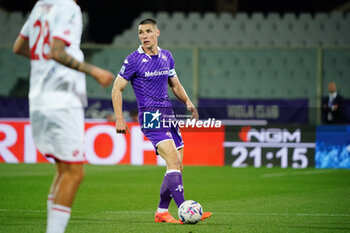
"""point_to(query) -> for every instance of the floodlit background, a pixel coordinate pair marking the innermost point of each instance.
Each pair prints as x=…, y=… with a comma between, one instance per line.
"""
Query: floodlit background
x=260, y=67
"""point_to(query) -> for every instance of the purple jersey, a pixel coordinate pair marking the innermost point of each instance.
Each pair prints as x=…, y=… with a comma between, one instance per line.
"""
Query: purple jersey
x=149, y=77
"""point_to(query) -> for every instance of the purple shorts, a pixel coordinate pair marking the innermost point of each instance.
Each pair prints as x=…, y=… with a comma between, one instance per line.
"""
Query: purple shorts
x=157, y=136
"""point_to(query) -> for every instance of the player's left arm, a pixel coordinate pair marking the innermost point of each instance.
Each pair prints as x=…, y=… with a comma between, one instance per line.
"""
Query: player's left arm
x=21, y=47
x=180, y=93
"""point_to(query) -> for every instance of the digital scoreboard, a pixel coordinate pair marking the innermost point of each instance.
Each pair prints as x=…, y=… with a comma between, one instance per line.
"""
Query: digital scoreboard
x=270, y=146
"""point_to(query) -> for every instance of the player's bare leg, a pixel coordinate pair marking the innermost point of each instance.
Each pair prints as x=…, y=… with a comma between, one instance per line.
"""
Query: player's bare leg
x=172, y=184
x=52, y=191
x=167, y=150
x=181, y=151
x=70, y=177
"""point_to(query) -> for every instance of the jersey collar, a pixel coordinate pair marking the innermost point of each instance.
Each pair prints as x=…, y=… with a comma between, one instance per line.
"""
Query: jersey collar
x=140, y=50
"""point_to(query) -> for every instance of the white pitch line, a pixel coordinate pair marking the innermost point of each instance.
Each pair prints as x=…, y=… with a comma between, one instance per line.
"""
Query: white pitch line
x=25, y=211
x=218, y=213
x=127, y=212
x=286, y=214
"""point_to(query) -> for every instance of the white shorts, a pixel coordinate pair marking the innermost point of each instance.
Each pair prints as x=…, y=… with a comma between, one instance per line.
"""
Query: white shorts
x=59, y=133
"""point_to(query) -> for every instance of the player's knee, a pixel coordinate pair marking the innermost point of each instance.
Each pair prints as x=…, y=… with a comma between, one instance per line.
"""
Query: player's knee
x=175, y=161
x=78, y=175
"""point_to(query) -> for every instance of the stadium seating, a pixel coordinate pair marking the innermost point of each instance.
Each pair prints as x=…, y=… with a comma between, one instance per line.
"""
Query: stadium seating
x=209, y=29
x=244, y=56
x=336, y=68
x=257, y=73
x=246, y=30
x=223, y=73
x=12, y=68
x=111, y=59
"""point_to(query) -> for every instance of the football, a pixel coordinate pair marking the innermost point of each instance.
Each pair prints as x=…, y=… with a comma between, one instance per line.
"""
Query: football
x=190, y=212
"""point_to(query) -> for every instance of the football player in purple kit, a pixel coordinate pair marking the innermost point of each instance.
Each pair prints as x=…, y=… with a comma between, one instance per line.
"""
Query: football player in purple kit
x=150, y=69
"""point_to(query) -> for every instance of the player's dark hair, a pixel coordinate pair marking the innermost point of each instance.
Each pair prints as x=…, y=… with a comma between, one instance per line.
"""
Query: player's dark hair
x=148, y=21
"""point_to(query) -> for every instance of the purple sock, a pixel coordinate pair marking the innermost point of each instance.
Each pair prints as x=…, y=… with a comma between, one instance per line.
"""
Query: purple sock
x=165, y=196
x=174, y=183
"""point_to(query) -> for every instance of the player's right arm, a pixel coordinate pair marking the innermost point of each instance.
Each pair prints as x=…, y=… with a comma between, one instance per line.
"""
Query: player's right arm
x=117, y=100
x=21, y=47
x=58, y=53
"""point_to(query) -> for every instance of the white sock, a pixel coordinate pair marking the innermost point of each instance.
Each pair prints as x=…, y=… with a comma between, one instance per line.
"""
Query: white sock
x=58, y=219
x=49, y=204
x=161, y=210
x=172, y=170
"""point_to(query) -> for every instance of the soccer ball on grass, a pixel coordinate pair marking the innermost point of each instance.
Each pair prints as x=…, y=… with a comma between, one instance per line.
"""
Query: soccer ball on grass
x=190, y=212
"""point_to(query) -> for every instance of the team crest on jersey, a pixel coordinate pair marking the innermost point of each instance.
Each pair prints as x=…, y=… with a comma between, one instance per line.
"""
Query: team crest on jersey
x=164, y=58
x=144, y=60
x=168, y=134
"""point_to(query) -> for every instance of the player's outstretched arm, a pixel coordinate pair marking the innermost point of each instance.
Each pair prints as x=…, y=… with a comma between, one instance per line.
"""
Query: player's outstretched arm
x=117, y=100
x=180, y=93
x=21, y=47
x=57, y=53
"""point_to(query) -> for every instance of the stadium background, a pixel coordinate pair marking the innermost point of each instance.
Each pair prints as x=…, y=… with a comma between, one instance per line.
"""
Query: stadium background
x=258, y=66
x=261, y=66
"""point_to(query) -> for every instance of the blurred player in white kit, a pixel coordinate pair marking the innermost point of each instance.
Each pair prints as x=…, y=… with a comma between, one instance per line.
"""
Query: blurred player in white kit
x=50, y=38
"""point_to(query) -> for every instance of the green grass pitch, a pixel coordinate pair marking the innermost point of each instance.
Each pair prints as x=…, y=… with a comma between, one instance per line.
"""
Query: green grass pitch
x=124, y=199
